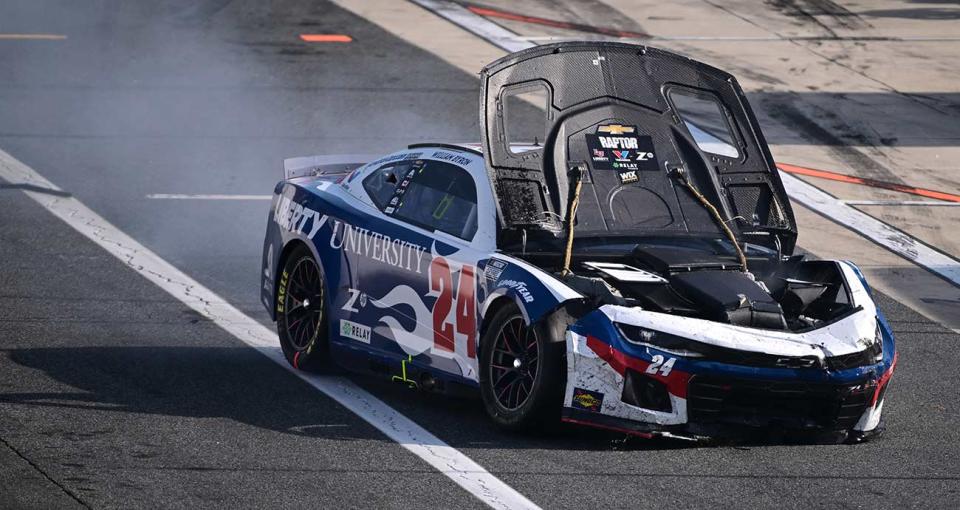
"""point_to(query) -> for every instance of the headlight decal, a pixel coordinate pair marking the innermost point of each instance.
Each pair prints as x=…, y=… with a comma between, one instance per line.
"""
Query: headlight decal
x=665, y=342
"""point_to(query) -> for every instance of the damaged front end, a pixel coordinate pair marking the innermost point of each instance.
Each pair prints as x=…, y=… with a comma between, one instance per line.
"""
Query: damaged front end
x=649, y=372
x=709, y=352
x=655, y=197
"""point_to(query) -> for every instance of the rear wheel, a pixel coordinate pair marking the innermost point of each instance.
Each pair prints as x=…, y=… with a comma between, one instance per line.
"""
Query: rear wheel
x=520, y=372
x=302, y=310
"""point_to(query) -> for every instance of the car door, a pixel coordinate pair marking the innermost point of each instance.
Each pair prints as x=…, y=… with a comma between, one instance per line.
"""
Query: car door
x=418, y=266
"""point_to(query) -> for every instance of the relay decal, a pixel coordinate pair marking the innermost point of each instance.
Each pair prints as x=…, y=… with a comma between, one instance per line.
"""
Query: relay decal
x=354, y=331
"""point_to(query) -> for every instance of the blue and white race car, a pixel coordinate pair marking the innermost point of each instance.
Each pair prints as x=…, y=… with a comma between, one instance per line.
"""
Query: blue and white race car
x=632, y=268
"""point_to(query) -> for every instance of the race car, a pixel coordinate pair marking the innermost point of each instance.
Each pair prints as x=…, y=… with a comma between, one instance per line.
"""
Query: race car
x=618, y=252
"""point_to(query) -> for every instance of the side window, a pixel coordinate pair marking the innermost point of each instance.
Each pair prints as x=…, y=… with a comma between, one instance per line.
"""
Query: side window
x=381, y=184
x=437, y=196
x=706, y=121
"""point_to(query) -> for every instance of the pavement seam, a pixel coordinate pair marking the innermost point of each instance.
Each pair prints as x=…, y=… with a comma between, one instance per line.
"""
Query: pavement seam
x=36, y=467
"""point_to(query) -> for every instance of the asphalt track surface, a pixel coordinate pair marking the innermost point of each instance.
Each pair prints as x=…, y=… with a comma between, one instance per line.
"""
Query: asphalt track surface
x=114, y=394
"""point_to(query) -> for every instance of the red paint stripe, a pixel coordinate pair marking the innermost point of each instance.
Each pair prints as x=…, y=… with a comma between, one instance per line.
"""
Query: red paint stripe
x=676, y=382
x=884, y=379
x=534, y=20
x=852, y=179
x=339, y=38
x=645, y=435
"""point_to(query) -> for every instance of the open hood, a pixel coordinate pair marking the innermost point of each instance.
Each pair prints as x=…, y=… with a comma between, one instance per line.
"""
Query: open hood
x=631, y=117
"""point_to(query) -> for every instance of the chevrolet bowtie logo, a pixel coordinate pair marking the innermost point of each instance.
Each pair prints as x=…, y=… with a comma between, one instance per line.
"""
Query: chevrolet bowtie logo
x=616, y=129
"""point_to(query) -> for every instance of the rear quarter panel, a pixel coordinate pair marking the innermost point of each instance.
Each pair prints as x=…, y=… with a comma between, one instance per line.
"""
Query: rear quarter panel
x=300, y=213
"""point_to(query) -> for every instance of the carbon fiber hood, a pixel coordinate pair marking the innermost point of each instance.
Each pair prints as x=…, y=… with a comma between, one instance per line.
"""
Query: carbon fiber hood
x=611, y=110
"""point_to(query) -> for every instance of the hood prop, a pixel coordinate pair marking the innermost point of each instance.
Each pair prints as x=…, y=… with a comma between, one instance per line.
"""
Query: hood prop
x=576, y=184
x=596, y=288
x=680, y=174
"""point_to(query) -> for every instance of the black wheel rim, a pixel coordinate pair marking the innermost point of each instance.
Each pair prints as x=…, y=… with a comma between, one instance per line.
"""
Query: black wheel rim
x=514, y=364
x=303, y=304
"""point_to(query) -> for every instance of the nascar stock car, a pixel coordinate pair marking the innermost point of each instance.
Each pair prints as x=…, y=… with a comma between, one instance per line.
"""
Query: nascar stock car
x=632, y=269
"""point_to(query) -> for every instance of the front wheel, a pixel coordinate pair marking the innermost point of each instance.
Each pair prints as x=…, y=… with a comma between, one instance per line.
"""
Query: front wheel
x=521, y=372
x=302, y=311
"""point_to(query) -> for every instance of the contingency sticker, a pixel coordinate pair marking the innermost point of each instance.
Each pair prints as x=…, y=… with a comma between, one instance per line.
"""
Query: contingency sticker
x=494, y=269
x=587, y=400
x=397, y=200
x=354, y=331
x=617, y=147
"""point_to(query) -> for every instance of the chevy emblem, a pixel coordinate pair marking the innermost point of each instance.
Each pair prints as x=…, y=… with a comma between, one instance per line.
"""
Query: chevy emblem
x=616, y=129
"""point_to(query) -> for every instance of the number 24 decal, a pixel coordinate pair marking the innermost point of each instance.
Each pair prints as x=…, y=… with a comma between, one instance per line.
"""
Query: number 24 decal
x=658, y=365
x=441, y=280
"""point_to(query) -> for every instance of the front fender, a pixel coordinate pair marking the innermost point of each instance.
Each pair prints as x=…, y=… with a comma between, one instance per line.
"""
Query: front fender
x=536, y=292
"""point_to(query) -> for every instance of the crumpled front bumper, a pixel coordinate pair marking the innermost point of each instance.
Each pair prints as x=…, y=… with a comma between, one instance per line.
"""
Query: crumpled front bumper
x=619, y=385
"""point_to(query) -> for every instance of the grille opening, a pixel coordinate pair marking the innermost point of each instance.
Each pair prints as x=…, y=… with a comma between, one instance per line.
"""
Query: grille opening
x=765, y=403
x=647, y=392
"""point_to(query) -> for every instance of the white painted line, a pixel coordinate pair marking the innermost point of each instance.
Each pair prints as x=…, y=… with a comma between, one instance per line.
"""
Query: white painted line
x=478, y=25
x=819, y=201
x=877, y=231
x=32, y=37
x=931, y=203
x=443, y=457
x=175, y=196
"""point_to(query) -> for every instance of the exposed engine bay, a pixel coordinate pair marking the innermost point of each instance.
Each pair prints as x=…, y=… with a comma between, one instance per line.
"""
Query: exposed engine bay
x=700, y=281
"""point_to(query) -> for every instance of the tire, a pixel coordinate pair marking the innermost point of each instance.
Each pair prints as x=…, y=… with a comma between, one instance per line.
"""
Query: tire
x=525, y=394
x=302, y=311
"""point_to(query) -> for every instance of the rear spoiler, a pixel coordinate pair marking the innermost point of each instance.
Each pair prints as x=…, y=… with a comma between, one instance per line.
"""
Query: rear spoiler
x=315, y=166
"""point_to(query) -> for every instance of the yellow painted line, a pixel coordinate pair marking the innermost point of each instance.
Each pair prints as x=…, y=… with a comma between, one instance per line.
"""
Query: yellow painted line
x=32, y=37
